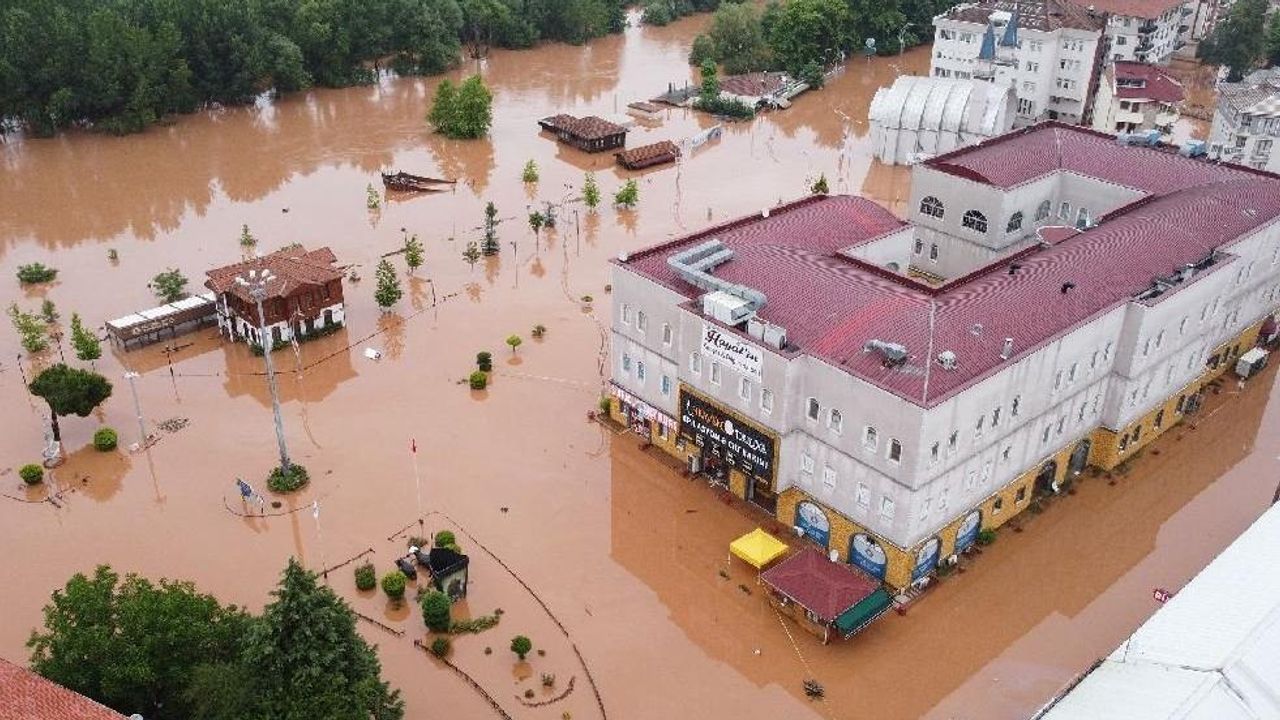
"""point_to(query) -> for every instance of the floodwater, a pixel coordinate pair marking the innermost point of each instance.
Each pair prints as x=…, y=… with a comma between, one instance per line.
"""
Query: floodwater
x=601, y=553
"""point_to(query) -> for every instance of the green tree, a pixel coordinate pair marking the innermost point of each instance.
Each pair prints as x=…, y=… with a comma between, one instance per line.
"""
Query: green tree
x=372, y=200
x=444, y=107
x=49, y=312
x=308, y=661
x=87, y=346
x=521, y=645
x=811, y=74
x=1273, y=40
x=388, y=291
x=628, y=195
x=805, y=31
x=490, y=245
x=709, y=91
x=437, y=609
x=463, y=112
x=536, y=221
x=412, y=252
x=31, y=329
x=69, y=391
x=169, y=286
x=247, y=240
x=590, y=191
x=514, y=341
x=703, y=49
x=1238, y=41
x=393, y=585
x=530, y=172
x=738, y=40
x=133, y=645
x=471, y=254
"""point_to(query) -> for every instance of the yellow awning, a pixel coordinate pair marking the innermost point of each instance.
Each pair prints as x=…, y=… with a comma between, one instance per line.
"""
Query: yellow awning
x=758, y=548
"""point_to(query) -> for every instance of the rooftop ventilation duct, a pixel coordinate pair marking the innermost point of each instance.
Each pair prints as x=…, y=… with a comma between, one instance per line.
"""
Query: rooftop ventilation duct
x=891, y=354
x=1006, y=352
x=694, y=266
x=947, y=360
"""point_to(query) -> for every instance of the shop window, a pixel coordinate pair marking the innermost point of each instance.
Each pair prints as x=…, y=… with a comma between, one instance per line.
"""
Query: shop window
x=932, y=207
x=835, y=421
x=895, y=450
x=814, y=409
x=642, y=321
x=666, y=385
x=766, y=401
x=640, y=370
x=715, y=373
x=744, y=389
x=662, y=431
x=695, y=364
x=975, y=221
x=1015, y=222
x=1043, y=211
x=666, y=334
x=1022, y=495
x=870, y=440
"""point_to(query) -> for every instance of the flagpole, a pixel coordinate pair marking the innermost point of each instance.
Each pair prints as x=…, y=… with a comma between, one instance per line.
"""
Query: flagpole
x=315, y=513
x=417, y=478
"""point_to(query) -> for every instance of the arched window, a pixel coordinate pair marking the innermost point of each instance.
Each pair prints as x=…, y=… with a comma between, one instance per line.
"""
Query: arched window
x=931, y=206
x=1043, y=211
x=975, y=221
x=1015, y=222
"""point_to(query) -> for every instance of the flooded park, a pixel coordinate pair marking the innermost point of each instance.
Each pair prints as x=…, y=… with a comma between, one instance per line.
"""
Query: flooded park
x=603, y=553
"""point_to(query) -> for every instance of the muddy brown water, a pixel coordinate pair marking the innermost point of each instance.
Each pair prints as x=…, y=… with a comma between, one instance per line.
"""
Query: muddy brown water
x=625, y=553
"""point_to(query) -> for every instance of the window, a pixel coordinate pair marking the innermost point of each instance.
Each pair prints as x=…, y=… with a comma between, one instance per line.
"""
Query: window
x=1082, y=218
x=1057, y=381
x=666, y=334
x=1182, y=402
x=895, y=450
x=986, y=472
x=1022, y=495
x=952, y=440
x=942, y=498
x=715, y=373
x=886, y=508
x=1004, y=454
x=1080, y=415
x=1159, y=419
x=1146, y=347
x=1026, y=106
x=997, y=506
x=626, y=314
x=975, y=221
x=1062, y=423
x=1159, y=338
x=1124, y=442
x=666, y=385
x=932, y=207
x=1043, y=210
x=806, y=463
x=1064, y=210
x=835, y=420
x=933, y=453
x=813, y=409
x=971, y=480
x=1015, y=222
x=1106, y=352
x=640, y=370
x=626, y=363
x=642, y=321
x=869, y=438
x=995, y=418
x=1093, y=361
x=1017, y=399
x=1033, y=66
x=933, y=252
x=862, y=496
x=828, y=476
x=919, y=246
x=744, y=389
x=977, y=430
x=1121, y=40
x=924, y=508
x=766, y=401
x=1044, y=436
x=695, y=364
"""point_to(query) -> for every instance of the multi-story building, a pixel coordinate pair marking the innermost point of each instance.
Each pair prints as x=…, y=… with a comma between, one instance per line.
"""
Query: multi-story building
x=1246, y=123
x=1146, y=31
x=303, y=295
x=1134, y=97
x=1048, y=51
x=892, y=388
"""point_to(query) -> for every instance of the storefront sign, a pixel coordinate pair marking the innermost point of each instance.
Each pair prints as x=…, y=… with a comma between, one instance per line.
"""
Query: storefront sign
x=867, y=554
x=724, y=347
x=741, y=446
x=968, y=530
x=926, y=559
x=813, y=522
x=642, y=409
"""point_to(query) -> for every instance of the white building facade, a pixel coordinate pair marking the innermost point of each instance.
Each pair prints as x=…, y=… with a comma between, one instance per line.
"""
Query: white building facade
x=918, y=117
x=1136, y=97
x=797, y=357
x=1246, y=122
x=1146, y=31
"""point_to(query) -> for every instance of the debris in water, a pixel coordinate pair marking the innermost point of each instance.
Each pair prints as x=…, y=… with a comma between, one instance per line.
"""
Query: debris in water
x=813, y=689
x=503, y=509
x=372, y=354
x=173, y=425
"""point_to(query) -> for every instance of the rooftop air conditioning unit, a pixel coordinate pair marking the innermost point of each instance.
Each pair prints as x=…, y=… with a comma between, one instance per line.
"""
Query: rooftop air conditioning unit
x=728, y=309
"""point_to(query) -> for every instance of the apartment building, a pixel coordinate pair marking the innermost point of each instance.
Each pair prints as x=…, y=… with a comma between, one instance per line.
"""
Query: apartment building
x=1246, y=122
x=1136, y=97
x=1146, y=31
x=891, y=388
x=1049, y=51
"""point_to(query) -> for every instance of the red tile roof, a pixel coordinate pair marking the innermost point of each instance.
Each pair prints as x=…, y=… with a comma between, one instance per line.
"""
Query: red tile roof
x=590, y=127
x=825, y=588
x=1147, y=9
x=25, y=695
x=293, y=267
x=663, y=151
x=1158, y=84
x=831, y=305
x=756, y=84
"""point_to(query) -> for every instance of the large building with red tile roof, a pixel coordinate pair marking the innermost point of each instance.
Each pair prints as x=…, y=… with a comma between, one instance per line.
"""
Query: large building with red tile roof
x=890, y=388
x=1137, y=97
x=25, y=695
x=303, y=295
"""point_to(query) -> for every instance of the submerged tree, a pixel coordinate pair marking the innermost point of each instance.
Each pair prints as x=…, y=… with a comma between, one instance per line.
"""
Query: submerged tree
x=490, y=245
x=170, y=285
x=412, y=252
x=464, y=111
x=87, y=346
x=471, y=254
x=388, y=291
x=31, y=329
x=590, y=191
x=247, y=240
x=628, y=195
x=530, y=172
x=69, y=391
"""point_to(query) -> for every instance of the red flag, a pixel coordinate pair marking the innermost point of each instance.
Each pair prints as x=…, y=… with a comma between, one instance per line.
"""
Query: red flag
x=413, y=446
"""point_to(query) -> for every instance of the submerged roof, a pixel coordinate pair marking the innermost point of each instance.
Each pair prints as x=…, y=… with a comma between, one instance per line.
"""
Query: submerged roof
x=1209, y=654
x=825, y=588
x=831, y=304
x=25, y=695
x=1156, y=83
x=293, y=267
x=1042, y=15
x=591, y=127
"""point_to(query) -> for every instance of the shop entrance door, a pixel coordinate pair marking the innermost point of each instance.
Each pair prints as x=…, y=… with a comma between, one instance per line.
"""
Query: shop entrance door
x=762, y=495
x=1046, y=478
x=1079, y=457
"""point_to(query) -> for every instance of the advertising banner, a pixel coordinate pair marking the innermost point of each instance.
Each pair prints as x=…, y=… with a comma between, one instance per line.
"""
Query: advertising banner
x=968, y=530
x=867, y=554
x=813, y=522
x=926, y=559
x=727, y=349
x=744, y=447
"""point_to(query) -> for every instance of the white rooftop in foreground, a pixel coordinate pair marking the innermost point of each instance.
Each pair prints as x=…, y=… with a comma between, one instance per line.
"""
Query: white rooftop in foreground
x=1211, y=653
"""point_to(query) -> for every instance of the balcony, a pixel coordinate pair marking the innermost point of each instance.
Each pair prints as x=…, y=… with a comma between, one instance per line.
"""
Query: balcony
x=1146, y=28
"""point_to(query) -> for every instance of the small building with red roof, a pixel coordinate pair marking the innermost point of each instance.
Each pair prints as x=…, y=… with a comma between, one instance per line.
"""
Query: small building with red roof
x=1136, y=97
x=24, y=695
x=1055, y=299
x=303, y=295
x=825, y=596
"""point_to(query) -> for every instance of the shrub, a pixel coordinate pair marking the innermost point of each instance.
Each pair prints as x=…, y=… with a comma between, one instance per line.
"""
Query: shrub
x=530, y=173
x=170, y=285
x=366, y=577
x=393, y=584
x=986, y=537
x=521, y=645
x=31, y=474
x=820, y=186
x=105, y=439
x=478, y=380
x=282, y=482
x=606, y=405
x=36, y=273
x=539, y=331
x=528, y=692
x=484, y=360
x=436, y=611
x=446, y=538
x=474, y=625
x=725, y=107
x=247, y=240
x=514, y=341
x=548, y=680
x=418, y=541
x=440, y=647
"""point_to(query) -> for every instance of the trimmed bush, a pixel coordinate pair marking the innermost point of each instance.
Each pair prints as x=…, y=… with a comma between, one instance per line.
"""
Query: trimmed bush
x=539, y=331
x=36, y=273
x=105, y=439
x=446, y=538
x=478, y=380
x=436, y=611
x=474, y=625
x=484, y=360
x=440, y=647
x=31, y=474
x=296, y=479
x=605, y=404
x=366, y=577
x=986, y=537
x=521, y=645
x=393, y=584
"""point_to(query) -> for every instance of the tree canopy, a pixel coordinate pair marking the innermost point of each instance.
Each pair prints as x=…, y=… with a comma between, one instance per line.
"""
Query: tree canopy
x=1238, y=40
x=464, y=111
x=70, y=391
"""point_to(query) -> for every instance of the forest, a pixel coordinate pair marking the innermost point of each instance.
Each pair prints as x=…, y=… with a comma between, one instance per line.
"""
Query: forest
x=121, y=65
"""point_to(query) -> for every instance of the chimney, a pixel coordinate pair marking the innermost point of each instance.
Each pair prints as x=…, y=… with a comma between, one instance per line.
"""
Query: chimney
x=1067, y=287
x=1007, y=351
x=1014, y=267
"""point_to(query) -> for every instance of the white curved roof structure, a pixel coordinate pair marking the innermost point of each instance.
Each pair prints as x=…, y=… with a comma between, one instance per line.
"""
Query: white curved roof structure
x=917, y=117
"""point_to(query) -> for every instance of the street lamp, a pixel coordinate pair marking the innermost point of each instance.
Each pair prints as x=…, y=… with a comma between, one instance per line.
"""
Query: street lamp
x=137, y=406
x=256, y=283
x=902, y=38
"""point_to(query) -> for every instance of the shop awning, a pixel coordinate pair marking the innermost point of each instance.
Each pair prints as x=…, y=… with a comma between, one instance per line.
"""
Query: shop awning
x=861, y=615
x=758, y=548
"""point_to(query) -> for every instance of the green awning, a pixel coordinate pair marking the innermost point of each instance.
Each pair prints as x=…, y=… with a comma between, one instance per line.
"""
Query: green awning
x=861, y=615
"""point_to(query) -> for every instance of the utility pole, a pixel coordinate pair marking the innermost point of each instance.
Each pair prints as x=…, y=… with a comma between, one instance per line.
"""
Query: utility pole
x=256, y=283
x=137, y=407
